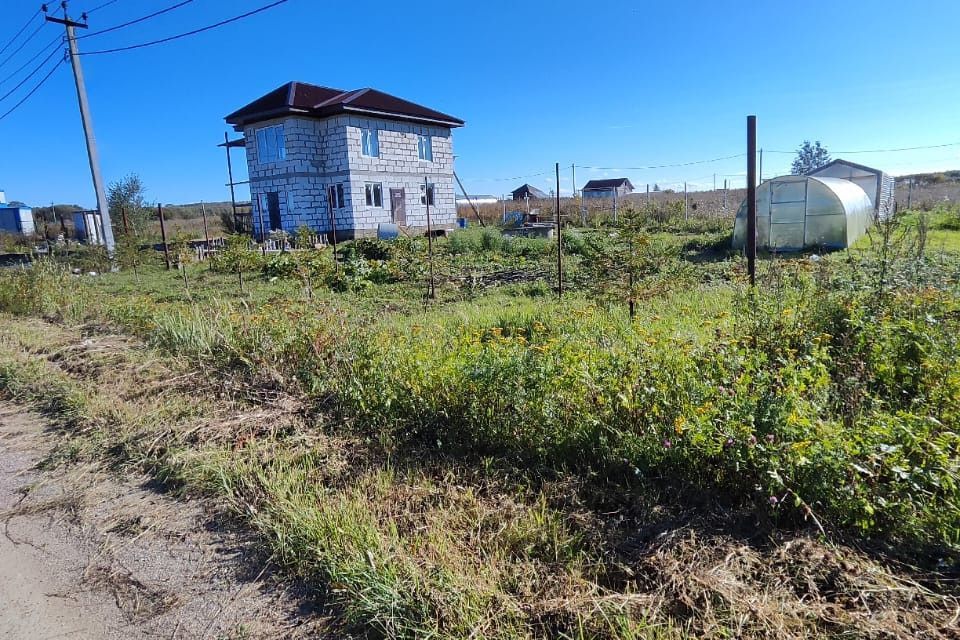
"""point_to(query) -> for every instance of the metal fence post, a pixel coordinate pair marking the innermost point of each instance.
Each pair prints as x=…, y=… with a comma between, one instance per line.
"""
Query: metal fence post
x=559, y=241
x=163, y=235
x=752, y=199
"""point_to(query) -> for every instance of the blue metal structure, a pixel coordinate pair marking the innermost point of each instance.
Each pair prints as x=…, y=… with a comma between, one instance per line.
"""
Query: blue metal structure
x=16, y=219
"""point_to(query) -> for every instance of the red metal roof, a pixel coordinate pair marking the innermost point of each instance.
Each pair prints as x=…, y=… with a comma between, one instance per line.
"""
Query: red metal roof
x=321, y=102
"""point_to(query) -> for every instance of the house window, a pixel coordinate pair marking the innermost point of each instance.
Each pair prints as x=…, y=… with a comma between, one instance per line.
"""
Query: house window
x=426, y=194
x=374, y=192
x=270, y=145
x=336, y=198
x=425, y=148
x=369, y=142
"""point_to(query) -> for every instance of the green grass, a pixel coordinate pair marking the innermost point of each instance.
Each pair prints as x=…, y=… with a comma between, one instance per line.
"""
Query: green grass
x=942, y=231
x=454, y=463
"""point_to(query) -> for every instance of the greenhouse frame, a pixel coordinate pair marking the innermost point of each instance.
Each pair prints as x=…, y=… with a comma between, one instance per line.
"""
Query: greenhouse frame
x=806, y=212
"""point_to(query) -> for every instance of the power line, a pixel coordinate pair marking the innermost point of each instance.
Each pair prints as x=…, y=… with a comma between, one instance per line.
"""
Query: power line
x=931, y=146
x=188, y=33
x=17, y=34
x=138, y=20
x=532, y=175
x=34, y=90
x=56, y=40
x=30, y=75
x=97, y=8
x=663, y=166
x=23, y=44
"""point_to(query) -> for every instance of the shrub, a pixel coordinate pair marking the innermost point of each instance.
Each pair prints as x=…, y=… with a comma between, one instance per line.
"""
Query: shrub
x=750, y=419
x=280, y=265
x=373, y=249
x=461, y=242
x=237, y=256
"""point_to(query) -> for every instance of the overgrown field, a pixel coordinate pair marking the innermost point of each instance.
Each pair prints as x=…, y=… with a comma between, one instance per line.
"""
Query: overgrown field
x=729, y=462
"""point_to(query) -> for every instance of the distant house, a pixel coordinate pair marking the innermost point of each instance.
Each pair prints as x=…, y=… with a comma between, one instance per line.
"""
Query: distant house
x=607, y=188
x=15, y=217
x=359, y=158
x=878, y=186
x=528, y=191
x=483, y=199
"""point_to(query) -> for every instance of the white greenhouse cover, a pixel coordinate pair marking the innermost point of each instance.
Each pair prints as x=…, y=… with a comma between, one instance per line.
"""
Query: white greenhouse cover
x=806, y=212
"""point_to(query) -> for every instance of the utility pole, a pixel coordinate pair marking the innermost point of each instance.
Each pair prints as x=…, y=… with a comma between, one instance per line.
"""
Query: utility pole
x=92, y=153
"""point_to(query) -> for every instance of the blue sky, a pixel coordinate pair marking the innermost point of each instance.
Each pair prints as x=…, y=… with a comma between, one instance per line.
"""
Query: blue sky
x=599, y=84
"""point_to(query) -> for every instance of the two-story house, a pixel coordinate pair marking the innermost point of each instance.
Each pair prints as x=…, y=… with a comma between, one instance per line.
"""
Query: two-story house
x=354, y=159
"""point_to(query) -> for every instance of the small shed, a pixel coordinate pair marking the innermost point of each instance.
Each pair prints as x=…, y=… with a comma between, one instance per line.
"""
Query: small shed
x=806, y=212
x=476, y=199
x=17, y=219
x=609, y=188
x=528, y=191
x=88, y=227
x=878, y=186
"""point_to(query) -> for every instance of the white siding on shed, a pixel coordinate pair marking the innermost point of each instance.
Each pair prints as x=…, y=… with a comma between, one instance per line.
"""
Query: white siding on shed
x=878, y=186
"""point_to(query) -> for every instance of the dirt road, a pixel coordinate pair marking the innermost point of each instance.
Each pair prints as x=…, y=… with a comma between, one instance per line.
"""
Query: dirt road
x=86, y=555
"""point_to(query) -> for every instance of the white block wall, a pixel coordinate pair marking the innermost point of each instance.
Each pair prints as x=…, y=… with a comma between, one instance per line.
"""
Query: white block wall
x=320, y=153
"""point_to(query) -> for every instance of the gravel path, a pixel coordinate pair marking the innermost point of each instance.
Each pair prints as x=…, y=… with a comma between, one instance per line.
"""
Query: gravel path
x=86, y=555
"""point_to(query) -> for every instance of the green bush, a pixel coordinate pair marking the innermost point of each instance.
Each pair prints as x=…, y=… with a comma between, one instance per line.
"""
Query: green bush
x=757, y=418
x=280, y=265
x=830, y=392
x=237, y=256
x=373, y=249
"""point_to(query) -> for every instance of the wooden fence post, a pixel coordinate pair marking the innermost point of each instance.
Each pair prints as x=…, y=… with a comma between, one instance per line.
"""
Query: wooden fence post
x=163, y=235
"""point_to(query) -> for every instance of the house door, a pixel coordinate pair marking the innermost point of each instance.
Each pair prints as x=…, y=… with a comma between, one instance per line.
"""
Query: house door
x=398, y=206
x=273, y=209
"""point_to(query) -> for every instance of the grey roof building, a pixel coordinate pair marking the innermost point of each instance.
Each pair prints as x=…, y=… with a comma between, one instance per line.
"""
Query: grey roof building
x=528, y=191
x=607, y=188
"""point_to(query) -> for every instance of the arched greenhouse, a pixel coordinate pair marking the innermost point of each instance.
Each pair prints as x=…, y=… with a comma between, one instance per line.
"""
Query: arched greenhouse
x=806, y=212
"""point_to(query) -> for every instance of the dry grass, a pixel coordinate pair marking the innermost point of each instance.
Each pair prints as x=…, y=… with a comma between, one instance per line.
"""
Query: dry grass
x=137, y=600
x=409, y=546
